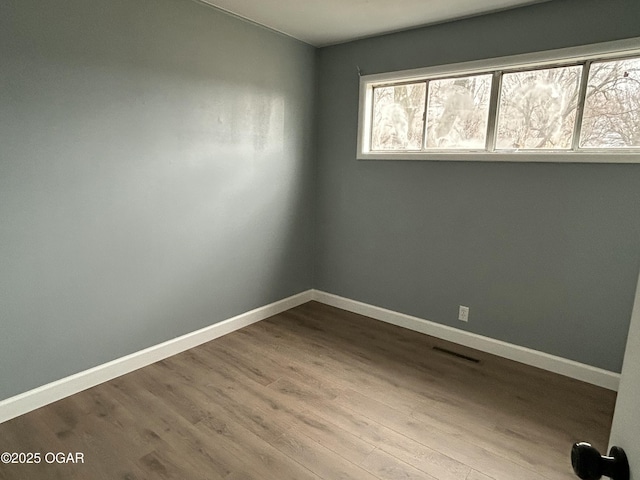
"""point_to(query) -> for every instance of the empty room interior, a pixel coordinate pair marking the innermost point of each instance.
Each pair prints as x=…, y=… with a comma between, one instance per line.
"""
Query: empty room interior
x=318, y=240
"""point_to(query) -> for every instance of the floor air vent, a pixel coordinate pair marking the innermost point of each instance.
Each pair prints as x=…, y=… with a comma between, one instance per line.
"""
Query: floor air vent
x=456, y=354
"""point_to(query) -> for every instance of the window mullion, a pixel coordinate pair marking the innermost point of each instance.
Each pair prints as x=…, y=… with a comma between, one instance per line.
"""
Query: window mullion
x=424, y=116
x=372, y=118
x=582, y=95
x=492, y=123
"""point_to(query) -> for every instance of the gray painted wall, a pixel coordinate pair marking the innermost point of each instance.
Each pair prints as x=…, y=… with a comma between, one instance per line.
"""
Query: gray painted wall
x=546, y=255
x=156, y=175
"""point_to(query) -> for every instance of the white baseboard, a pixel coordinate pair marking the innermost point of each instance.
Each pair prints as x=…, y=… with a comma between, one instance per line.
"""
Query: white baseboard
x=552, y=363
x=52, y=392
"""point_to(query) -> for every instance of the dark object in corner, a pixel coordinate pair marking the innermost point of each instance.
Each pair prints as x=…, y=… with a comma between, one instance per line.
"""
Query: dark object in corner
x=588, y=464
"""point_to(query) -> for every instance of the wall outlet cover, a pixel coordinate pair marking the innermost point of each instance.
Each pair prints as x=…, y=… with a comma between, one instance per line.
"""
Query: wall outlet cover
x=463, y=313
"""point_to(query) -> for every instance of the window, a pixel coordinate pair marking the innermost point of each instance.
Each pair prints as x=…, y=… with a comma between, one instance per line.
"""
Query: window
x=458, y=112
x=612, y=106
x=398, y=117
x=537, y=109
x=570, y=105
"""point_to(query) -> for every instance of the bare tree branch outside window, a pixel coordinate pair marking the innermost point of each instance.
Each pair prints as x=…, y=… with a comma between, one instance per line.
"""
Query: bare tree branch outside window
x=538, y=108
x=612, y=106
x=398, y=114
x=458, y=112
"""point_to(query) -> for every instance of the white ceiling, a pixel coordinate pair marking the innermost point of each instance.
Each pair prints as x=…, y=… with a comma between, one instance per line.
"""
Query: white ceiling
x=326, y=22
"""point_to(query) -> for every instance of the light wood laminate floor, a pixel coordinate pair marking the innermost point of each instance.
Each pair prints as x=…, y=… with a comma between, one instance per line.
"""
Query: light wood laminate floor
x=318, y=393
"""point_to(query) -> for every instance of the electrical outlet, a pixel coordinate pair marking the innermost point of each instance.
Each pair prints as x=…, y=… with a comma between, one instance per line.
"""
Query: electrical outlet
x=463, y=313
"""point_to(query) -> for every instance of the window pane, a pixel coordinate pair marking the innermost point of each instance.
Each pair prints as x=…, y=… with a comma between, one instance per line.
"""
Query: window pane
x=538, y=108
x=612, y=105
x=458, y=112
x=398, y=117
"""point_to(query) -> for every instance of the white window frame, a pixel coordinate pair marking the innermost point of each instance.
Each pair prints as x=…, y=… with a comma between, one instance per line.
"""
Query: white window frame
x=550, y=58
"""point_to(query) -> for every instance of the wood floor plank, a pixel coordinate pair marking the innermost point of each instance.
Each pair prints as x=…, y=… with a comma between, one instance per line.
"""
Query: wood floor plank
x=336, y=439
x=319, y=393
x=475, y=475
x=426, y=459
x=456, y=446
x=388, y=467
x=318, y=459
x=177, y=444
x=210, y=433
x=141, y=392
x=250, y=404
x=217, y=428
x=531, y=450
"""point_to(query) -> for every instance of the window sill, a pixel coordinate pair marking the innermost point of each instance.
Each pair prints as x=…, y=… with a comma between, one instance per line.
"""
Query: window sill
x=508, y=156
